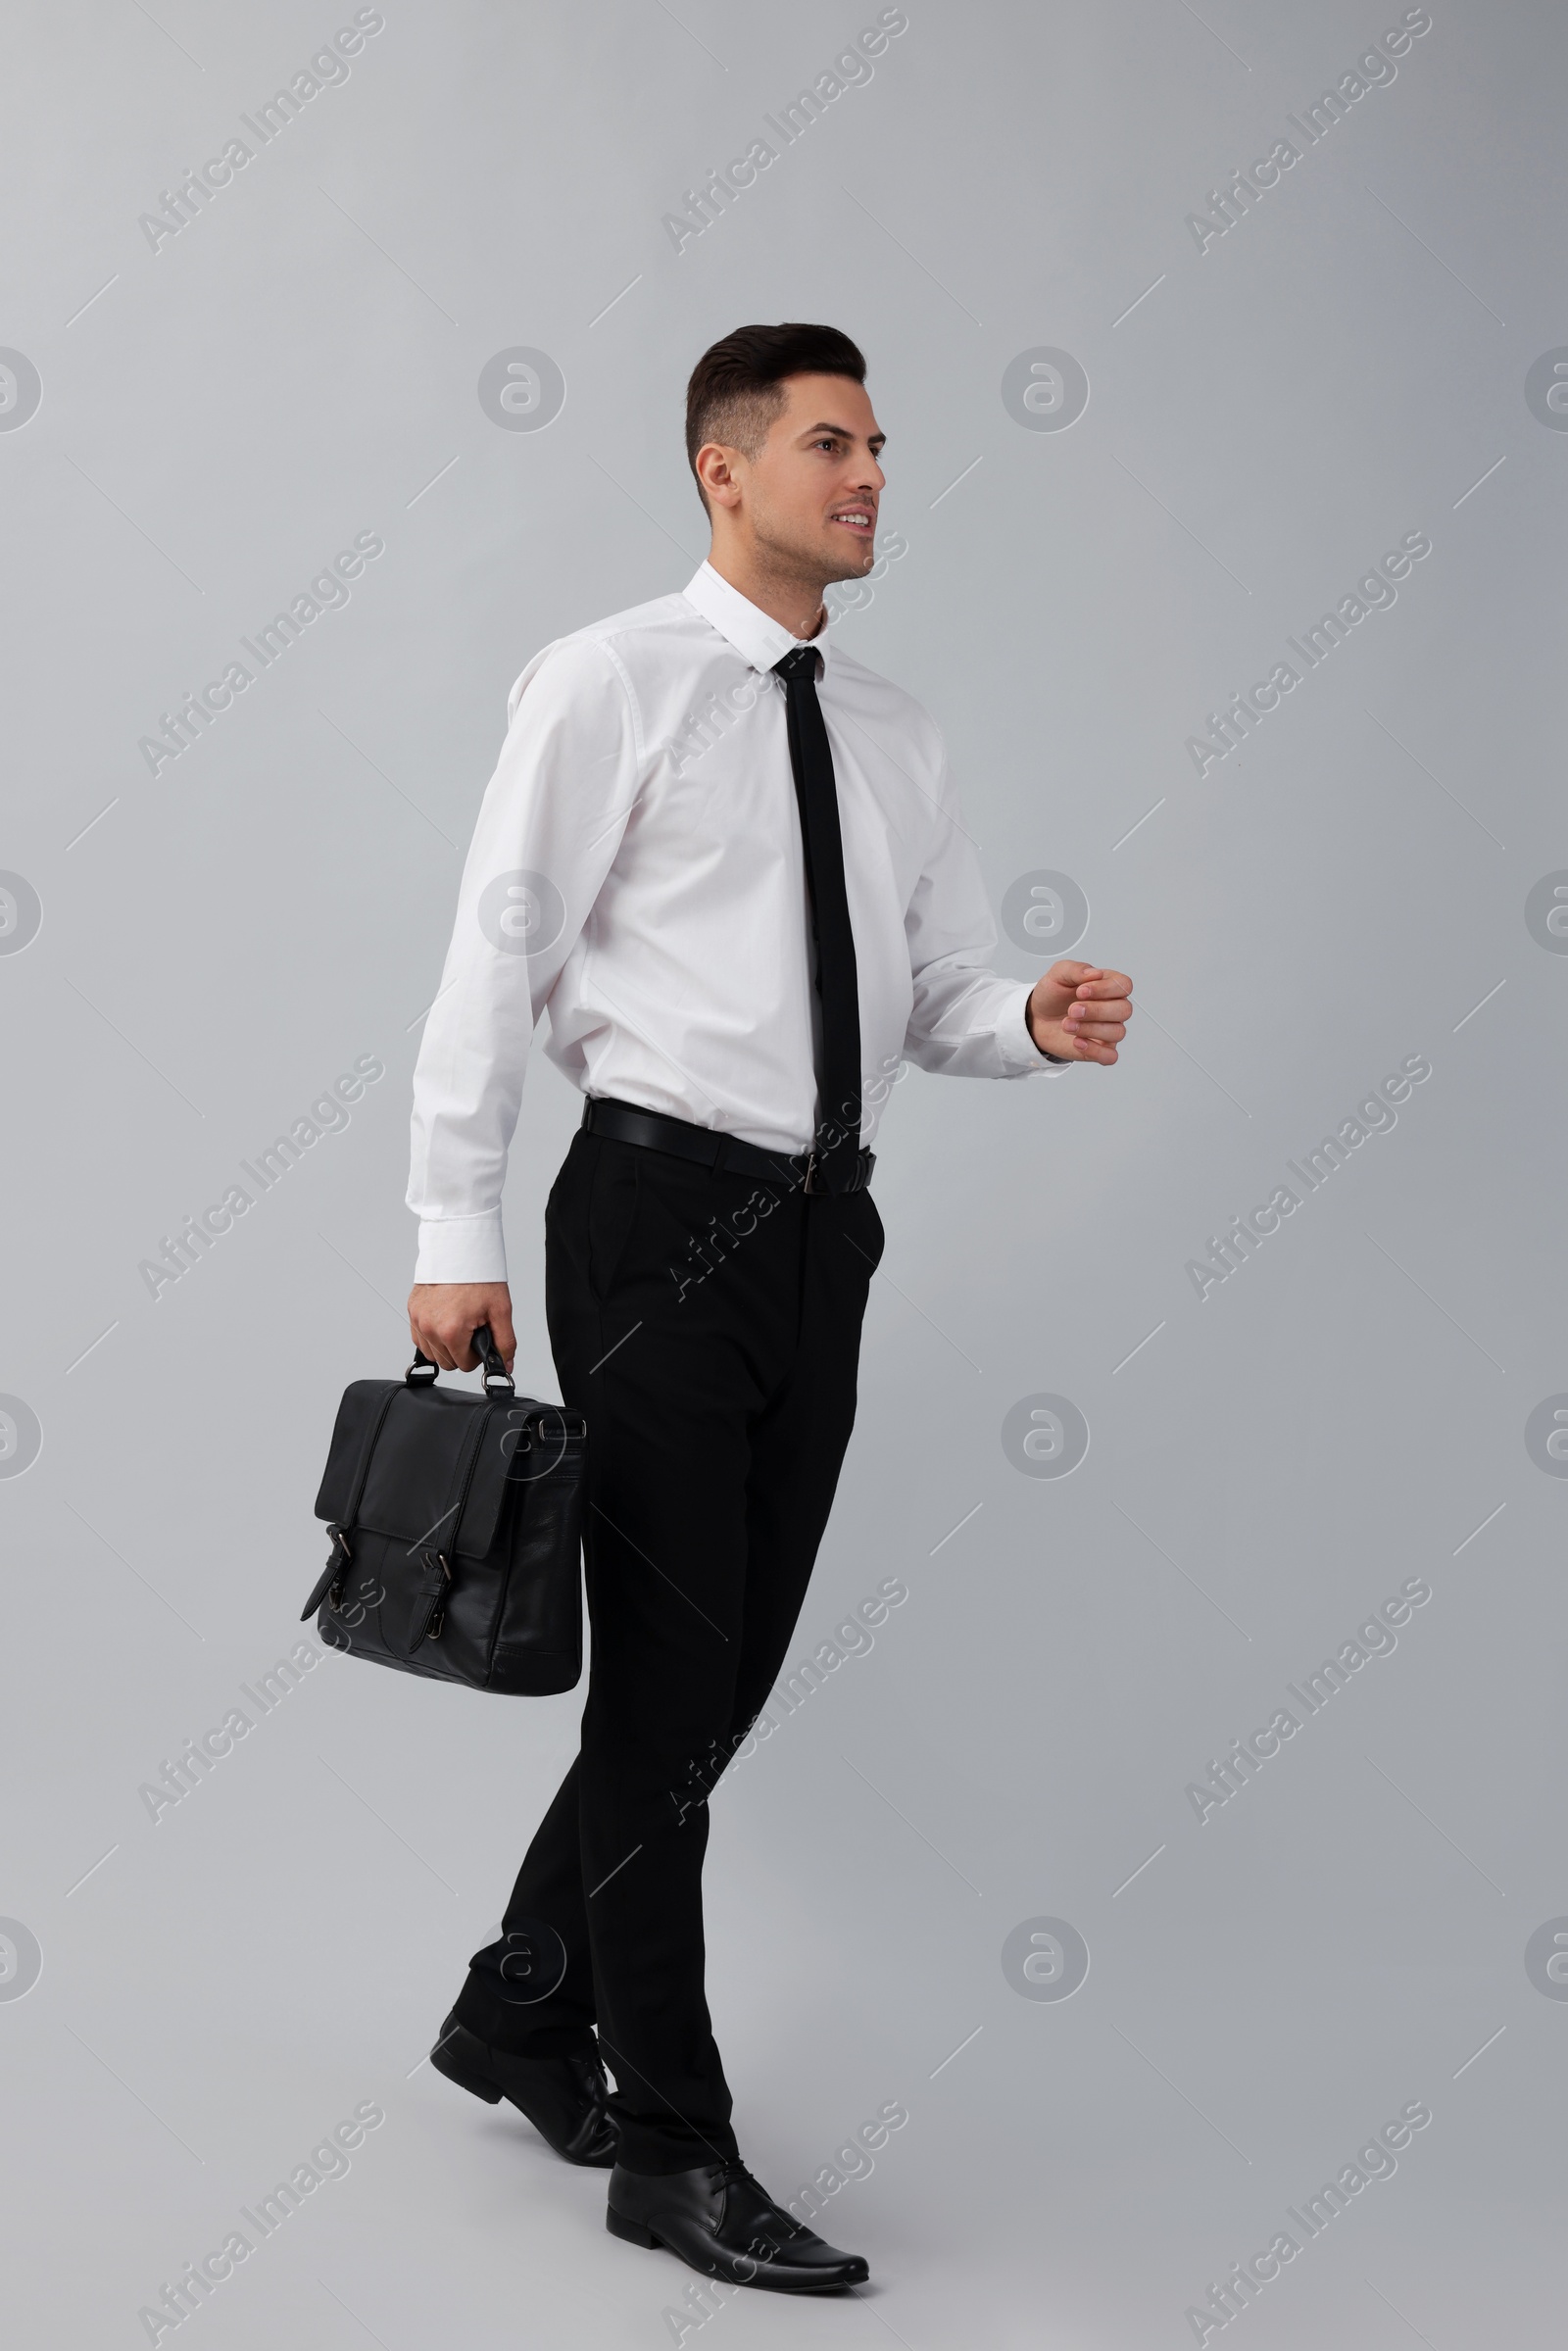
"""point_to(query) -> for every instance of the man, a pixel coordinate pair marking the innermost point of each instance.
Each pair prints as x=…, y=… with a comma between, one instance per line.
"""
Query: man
x=727, y=859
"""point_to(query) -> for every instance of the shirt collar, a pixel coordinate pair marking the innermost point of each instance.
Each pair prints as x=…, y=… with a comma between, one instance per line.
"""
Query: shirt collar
x=755, y=636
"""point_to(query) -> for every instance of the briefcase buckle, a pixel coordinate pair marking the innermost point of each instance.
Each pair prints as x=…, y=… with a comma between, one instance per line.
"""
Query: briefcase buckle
x=438, y=1615
x=341, y=1558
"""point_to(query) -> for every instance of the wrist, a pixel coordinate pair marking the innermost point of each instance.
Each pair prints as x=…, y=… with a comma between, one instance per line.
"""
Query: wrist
x=1029, y=1024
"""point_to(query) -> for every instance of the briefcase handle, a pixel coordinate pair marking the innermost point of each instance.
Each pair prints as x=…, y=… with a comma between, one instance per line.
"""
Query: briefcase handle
x=497, y=1380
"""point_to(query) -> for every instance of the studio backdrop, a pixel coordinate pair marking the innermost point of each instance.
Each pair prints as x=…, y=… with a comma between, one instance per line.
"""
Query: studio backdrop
x=1142, y=1911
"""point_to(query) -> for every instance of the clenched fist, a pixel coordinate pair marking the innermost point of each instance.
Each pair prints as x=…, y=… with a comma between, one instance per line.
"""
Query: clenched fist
x=1080, y=1013
x=443, y=1318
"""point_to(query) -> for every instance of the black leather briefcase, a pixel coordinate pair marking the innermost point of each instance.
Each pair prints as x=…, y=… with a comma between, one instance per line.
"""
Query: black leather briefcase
x=455, y=1522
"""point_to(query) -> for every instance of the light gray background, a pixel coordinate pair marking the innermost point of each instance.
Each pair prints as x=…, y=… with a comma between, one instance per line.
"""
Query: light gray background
x=300, y=364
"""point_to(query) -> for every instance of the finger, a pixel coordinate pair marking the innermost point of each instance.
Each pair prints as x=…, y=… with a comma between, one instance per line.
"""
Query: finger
x=1071, y=975
x=1105, y=983
x=501, y=1332
x=431, y=1344
x=1114, y=1008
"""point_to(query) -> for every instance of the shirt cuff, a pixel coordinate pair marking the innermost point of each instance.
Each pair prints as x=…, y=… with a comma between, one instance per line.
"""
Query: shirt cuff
x=462, y=1248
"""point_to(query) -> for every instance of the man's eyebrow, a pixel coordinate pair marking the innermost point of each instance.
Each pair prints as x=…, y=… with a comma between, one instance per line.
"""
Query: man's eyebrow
x=877, y=440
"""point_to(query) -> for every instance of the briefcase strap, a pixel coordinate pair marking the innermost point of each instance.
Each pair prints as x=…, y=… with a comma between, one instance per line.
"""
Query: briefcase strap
x=497, y=1379
x=330, y=1580
x=429, y=1596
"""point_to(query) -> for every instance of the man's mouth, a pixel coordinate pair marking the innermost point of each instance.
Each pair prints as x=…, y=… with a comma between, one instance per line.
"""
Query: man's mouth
x=856, y=518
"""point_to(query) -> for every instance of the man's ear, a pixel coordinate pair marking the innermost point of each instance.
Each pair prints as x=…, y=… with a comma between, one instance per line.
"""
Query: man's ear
x=716, y=470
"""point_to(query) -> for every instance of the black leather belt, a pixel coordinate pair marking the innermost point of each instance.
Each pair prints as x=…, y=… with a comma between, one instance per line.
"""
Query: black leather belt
x=625, y=1122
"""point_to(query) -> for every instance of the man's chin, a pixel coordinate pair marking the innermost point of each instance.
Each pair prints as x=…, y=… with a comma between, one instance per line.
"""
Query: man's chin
x=854, y=561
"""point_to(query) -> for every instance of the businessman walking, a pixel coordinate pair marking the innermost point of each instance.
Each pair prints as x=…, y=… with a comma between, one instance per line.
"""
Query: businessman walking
x=727, y=860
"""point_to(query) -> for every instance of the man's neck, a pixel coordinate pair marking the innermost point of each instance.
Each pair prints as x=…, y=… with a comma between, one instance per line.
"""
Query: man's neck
x=793, y=604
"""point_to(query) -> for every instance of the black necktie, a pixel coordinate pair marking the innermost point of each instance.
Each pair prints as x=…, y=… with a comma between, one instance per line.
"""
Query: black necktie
x=838, y=1068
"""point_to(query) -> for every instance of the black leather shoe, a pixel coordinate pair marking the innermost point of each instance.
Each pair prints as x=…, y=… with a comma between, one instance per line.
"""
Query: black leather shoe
x=563, y=2097
x=719, y=2221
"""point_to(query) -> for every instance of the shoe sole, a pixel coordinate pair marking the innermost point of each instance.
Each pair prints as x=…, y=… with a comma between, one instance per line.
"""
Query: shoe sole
x=633, y=2232
x=630, y=2232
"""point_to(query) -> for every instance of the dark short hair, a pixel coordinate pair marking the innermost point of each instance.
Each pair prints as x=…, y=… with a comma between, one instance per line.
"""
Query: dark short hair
x=736, y=388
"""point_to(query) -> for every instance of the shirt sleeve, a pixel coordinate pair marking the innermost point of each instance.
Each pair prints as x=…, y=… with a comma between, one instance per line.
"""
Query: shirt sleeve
x=967, y=1021
x=550, y=825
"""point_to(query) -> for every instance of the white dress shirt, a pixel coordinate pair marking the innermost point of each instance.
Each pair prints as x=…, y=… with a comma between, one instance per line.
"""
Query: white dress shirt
x=637, y=869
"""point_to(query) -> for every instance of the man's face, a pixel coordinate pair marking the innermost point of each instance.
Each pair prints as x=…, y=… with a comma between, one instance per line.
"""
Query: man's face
x=811, y=495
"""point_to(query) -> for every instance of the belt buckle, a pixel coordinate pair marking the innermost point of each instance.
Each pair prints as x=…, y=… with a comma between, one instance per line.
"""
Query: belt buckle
x=811, y=1183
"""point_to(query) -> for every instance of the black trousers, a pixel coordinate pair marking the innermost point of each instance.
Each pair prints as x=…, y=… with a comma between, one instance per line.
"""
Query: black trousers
x=708, y=1325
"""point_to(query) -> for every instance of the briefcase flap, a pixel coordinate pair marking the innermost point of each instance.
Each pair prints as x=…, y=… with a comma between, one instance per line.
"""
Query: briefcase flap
x=421, y=1464
x=358, y=1416
x=430, y=1466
